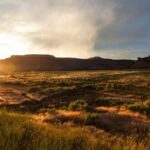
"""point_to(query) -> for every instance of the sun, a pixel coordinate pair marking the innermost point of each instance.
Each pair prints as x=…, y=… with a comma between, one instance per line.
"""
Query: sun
x=11, y=45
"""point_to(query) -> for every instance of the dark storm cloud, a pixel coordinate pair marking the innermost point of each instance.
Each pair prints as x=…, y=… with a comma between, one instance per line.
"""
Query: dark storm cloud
x=129, y=31
x=80, y=28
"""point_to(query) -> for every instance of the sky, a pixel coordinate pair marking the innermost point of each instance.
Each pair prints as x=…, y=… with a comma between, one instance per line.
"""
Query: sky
x=118, y=29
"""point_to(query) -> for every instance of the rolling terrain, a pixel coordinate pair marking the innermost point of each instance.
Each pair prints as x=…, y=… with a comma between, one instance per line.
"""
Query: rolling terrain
x=100, y=109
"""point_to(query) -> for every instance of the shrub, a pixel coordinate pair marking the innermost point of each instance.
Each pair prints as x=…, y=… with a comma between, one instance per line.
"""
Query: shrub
x=134, y=107
x=145, y=108
x=147, y=103
x=47, y=110
x=91, y=118
x=79, y=105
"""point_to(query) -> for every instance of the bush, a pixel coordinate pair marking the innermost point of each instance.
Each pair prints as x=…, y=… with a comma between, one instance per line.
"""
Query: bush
x=91, y=118
x=47, y=110
x=147, y=103
x=79, y=105
x=145, y=108
x=134, y=107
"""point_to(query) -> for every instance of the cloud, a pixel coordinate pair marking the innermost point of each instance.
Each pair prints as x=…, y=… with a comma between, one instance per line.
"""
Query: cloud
x=81, y=28
x=129, y=31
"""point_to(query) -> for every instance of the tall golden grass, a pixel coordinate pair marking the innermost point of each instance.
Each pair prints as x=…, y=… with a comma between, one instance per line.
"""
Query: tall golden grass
x=18, y=132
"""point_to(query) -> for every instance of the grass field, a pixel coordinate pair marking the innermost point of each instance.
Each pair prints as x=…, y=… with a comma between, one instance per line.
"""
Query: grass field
x=80, y=110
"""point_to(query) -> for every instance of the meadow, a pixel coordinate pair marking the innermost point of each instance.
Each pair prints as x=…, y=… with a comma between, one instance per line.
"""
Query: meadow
x=76, y=110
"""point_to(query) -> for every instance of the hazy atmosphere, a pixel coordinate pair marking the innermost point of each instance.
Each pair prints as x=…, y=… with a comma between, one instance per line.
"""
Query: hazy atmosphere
x=75, y=28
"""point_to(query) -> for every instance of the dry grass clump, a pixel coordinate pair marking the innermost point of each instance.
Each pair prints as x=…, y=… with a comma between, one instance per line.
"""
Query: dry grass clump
x=122, y=123
x=19, y=132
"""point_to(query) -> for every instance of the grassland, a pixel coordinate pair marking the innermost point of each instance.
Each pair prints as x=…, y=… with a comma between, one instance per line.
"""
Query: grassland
x=80, y=110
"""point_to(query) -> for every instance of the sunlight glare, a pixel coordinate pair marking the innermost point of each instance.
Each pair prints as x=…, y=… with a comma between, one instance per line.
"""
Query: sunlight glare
x=11, y=45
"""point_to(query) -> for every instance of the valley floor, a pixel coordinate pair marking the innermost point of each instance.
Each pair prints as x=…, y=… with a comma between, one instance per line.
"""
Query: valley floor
x=105, y=106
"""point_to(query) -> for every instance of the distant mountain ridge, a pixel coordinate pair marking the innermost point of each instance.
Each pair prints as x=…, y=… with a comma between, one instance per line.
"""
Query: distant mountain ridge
x=37, y=62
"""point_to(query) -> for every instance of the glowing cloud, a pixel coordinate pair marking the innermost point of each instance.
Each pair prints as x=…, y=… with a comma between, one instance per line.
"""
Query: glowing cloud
x=77, y=28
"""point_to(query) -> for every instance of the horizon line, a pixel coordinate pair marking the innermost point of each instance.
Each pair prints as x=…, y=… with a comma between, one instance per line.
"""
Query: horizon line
x=28, y=54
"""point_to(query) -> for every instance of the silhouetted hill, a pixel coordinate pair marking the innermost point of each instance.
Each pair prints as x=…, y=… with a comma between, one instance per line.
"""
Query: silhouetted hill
x=142, y=63
x=52, y=63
